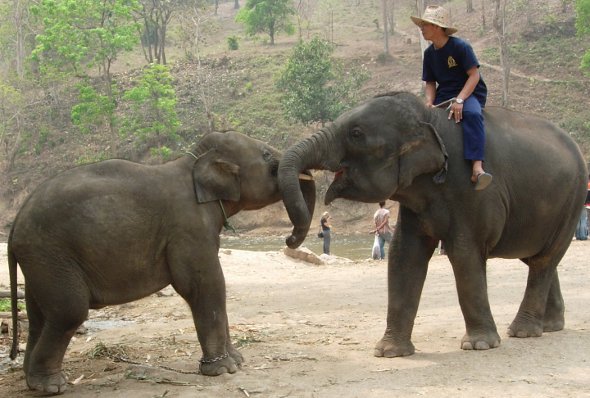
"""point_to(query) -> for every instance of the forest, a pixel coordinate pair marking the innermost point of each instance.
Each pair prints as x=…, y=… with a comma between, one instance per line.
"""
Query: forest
x=82, y=81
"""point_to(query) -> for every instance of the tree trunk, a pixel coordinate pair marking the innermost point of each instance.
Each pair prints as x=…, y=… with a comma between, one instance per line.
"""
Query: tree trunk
x=236, y=5
x=500, y=29
x=19, y=24
x=423, y=43
x=13, y=151
x=272, y=34
x=391, y=17
x=469, y=5
x=483, y=15
x=385, y=29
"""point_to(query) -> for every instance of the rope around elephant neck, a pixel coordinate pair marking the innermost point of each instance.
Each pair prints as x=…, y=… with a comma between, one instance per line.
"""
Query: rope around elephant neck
x=192, y=154
x=226, y=223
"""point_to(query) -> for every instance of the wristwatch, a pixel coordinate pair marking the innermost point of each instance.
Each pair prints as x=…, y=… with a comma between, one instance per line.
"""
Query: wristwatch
x=459, y=101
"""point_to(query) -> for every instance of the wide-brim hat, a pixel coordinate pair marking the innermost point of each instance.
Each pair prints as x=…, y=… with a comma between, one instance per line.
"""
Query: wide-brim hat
x=438, y=16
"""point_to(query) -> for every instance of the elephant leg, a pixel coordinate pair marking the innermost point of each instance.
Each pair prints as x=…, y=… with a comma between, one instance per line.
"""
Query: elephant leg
x=59, y=307
x=407, y=267
x=36, y=322
x=199, y=280
x=471, y=282
x=542, y=306
x=554, y=318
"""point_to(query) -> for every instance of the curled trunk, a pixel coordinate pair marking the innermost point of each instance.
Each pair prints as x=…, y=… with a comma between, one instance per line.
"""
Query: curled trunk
x=317, y=152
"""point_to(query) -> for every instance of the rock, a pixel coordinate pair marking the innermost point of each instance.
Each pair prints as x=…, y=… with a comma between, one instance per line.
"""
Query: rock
x=304, y=254
x=6, y=294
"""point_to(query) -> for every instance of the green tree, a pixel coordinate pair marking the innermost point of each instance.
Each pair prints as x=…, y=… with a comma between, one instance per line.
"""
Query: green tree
x=315, y=86
x=267, y=16
x=583, y=28
x=153, y=118
x=94, y=109
x=78, y=36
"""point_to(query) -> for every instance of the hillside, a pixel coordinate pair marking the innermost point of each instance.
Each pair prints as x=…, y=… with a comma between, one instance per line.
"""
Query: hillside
x=238, y=88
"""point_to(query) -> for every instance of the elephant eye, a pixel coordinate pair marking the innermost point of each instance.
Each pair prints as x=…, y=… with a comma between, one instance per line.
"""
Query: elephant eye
x=267, y=156
x=356, y=132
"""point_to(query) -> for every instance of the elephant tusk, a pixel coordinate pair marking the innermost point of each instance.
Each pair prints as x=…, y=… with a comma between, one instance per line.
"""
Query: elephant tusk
x=305, y=177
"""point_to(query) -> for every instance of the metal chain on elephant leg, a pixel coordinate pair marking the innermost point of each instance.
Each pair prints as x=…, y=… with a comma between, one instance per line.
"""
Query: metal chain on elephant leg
x=120, y=358
x=213, y=360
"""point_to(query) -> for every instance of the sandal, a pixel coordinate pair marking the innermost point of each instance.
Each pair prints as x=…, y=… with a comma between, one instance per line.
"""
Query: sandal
x=483, y=180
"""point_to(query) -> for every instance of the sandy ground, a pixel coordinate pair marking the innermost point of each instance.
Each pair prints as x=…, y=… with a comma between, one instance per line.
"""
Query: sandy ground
x=309, y=331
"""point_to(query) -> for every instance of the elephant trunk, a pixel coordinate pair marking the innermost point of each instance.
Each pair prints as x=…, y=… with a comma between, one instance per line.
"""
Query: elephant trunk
x=316, y=152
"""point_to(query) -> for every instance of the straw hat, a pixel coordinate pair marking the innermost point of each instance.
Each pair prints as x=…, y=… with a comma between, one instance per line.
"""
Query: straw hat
x=438, y=16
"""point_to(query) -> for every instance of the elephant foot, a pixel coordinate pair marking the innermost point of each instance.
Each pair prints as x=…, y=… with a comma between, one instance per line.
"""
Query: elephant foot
x=48, y=384
x=388, y=348
x=235, y=355
x=525, y=328
x=220, y=365
x=482, y=341
x=553, y=323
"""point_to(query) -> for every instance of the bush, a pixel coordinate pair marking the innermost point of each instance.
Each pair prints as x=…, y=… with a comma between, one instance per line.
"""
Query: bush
x=153, y=119
x=232, y=43
x=316, y=87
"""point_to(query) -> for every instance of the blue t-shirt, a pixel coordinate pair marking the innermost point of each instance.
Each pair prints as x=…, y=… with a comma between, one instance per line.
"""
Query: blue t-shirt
x=448, y=66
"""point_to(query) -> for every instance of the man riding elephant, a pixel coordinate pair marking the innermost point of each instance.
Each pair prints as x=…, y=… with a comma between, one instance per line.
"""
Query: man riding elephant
x=451, y=75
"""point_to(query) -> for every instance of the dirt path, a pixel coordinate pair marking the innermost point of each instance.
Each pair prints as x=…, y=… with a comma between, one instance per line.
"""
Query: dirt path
x=309, y=331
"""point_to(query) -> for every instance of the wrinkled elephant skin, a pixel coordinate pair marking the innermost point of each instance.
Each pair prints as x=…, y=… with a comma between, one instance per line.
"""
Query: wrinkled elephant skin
x=393, y=147
x=116, y=231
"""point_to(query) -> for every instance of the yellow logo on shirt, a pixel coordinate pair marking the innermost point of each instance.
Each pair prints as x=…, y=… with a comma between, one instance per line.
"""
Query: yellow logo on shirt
x=451, y=62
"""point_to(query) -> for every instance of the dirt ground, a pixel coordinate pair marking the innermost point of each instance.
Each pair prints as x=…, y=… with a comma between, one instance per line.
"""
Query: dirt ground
x=309, y=331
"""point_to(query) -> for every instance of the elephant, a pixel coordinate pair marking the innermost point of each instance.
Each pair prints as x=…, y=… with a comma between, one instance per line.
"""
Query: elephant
x=115, y=231
x=394, y=147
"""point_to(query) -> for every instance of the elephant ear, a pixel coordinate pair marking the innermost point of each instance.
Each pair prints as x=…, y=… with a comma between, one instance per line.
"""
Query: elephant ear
x=422, y=152
x=216, y=178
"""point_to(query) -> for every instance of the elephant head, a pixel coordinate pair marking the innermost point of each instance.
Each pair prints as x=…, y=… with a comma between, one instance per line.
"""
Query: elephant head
x=376, y=150
x=242, y=171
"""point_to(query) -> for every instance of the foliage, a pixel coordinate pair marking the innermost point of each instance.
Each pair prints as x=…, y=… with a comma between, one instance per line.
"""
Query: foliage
x=162, y=152
x=316, y=87
x=92, y=157
x=83, y=34
x=583, y=28
x=232, y=43
x=153, y=117
x=267, y=16
x=93, y=109
x=5, y=305
x=11, y=103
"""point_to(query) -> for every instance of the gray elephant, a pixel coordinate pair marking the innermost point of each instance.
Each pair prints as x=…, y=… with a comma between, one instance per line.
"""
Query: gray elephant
x=393, y=147
x=116, y=231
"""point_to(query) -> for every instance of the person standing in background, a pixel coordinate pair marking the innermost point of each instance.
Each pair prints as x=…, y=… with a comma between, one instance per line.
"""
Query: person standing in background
x=326, y=226
x=382, y=228
x=582, y=228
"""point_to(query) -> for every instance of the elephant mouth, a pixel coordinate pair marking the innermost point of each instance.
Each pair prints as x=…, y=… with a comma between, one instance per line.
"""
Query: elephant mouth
x=337, y=185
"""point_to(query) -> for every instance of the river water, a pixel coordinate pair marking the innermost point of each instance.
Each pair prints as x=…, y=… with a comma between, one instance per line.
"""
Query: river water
x=352, y=246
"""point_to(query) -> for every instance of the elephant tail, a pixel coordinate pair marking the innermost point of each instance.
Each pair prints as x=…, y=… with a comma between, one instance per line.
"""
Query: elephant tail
x=12, y=264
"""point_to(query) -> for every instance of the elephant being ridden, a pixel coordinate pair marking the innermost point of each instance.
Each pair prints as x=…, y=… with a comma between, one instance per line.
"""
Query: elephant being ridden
x=116, y=231
x=393, y=147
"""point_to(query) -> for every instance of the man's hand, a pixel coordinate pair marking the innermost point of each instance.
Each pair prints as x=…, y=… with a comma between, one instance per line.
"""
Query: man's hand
x=456, y=112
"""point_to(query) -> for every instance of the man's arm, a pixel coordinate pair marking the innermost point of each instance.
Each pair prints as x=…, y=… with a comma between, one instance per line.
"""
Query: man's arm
x=430, y=93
